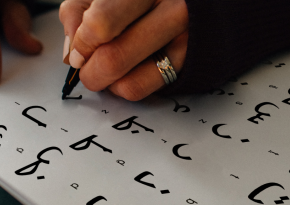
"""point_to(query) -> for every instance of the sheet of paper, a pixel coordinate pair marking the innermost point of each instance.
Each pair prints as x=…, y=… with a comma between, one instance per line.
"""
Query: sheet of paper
x=230, y=146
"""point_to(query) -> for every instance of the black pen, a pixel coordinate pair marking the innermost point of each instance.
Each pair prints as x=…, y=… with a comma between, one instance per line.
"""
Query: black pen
x=71, y=81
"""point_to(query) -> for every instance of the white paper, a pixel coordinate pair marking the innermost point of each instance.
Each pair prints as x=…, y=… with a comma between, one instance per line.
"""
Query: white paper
x=209, y=170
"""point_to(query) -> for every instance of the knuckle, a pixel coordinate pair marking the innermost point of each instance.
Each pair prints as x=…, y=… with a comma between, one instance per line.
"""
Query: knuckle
x=64, y=10
x=89, y=86
x=88, y=82
x=131, y=90
x=111, y=60
x=98, y=21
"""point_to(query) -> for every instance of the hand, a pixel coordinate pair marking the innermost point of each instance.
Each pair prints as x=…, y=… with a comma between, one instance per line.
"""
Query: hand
x=16, y=25
x=112, y=41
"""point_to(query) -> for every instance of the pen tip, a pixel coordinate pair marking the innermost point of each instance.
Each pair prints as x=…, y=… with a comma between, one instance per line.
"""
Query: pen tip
x=63, y=96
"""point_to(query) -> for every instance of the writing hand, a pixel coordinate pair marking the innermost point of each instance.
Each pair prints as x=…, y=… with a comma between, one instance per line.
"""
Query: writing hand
x=112, y=42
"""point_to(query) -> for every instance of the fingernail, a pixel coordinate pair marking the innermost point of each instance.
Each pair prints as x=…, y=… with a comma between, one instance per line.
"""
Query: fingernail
x=76, y=59
x=65, y=47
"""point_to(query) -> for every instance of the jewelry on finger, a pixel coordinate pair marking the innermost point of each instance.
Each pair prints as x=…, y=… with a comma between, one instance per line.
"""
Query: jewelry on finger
x=165, y=67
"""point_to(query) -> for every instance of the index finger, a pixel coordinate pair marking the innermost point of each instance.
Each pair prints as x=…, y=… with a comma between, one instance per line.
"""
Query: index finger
x=71, y=15
x=102, y=22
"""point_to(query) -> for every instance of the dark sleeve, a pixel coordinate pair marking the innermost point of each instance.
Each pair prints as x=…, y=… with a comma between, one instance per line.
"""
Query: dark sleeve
x=227, y=38
x=30, y=4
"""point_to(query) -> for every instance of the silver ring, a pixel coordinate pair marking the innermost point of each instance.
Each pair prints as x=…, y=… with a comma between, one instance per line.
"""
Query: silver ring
x=165, y=67
x=163, y=73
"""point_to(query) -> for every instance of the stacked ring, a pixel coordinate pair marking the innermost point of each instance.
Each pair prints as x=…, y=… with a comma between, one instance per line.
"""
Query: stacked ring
x=165, y=67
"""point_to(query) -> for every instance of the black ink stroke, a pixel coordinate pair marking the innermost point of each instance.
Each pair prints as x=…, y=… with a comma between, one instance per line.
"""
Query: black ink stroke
x=273, y=152
x=252, y=119
x=95, y=200
x=175, y=151
x=141, y=176
x=3, y=127
x=130, y=121
x=283, y=198
x=202, y=121
x=190, y=201
x=215, y=131
x=177, y=107
x=234, y=176
x=287, y=101
x=37, y=163
x=89, y=140
x=245, y=140
x=31, y=118
x=261, y=188
x=166, y=191
x=73, y=98
x=75, y=186
x=280, y=65
x=121, y=162
x=63, y=129
x=273, y=86
x=20, y=150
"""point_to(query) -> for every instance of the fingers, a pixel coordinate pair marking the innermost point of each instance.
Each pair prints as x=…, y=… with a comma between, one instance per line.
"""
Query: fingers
x=115, y=59
x=145, y=78
x=102, y=22
x=71, y=15
x=16, y=23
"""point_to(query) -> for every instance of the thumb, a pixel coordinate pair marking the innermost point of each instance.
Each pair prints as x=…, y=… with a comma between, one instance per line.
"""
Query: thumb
x=16, y=23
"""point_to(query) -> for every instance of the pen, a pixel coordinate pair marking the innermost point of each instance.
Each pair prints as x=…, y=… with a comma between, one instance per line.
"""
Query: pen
x=71, y=81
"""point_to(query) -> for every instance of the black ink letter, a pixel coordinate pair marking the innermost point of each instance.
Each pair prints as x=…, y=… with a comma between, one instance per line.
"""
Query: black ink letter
x=141, y=176
x=37, y=163
x=88, y=141
x=287, y=101
x=175, y=151
x=75, y=185
x=20, y=150
x=130, y=121
x=177, y=107
x=260, y=189
x=252, y=119
x=96, y=199
x=31, y=118
x=121, y=162
x=190, y=201
x=2, y=126
x=215, y=128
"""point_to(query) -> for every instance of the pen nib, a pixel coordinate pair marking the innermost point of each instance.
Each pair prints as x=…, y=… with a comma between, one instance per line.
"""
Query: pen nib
x=63, y=96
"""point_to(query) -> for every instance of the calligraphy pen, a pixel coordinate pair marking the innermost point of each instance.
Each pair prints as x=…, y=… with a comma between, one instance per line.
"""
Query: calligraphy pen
x=71, y=81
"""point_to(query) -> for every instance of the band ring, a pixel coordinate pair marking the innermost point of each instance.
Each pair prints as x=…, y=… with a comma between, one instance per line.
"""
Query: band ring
x=165, y=67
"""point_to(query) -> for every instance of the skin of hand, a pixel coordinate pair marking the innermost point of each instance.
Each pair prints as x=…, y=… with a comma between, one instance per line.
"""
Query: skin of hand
x=112, y=42
x=16, y=26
